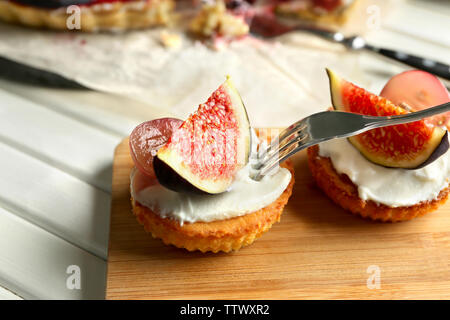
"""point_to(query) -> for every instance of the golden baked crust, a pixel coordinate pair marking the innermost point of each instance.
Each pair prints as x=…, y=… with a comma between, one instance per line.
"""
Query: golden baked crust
x=336, y=17
x=116, y=16
x=343, y=192
x=223, y=235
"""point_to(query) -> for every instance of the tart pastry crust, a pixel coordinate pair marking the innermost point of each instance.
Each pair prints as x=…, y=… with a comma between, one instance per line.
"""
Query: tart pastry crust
x=223, y=235
x=111, y=16
x=338, y=16
x=344, y=193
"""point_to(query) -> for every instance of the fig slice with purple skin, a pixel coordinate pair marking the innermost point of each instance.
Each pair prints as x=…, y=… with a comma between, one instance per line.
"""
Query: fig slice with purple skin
x=409, y=146
x=204, y=154
x=417, y=90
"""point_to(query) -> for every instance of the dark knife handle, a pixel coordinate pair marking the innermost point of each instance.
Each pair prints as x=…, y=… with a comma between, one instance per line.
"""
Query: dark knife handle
x=437, y=68
x=19, y=72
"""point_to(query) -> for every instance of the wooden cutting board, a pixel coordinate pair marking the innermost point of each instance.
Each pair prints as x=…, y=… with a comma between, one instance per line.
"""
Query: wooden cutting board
x=317, y=251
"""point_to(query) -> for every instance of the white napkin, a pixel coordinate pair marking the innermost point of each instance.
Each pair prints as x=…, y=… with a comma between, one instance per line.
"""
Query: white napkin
x=279, y=81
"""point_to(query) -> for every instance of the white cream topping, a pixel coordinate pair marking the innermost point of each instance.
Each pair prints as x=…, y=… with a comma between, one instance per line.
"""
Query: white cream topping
x=389, y=186
x=244, y=196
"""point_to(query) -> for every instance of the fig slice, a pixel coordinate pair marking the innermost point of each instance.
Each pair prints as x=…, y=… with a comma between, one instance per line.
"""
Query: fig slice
x=204, y=154
x=408, y=146
x=418, y=90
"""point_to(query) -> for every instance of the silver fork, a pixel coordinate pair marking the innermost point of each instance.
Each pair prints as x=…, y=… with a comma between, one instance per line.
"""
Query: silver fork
x=327, y=125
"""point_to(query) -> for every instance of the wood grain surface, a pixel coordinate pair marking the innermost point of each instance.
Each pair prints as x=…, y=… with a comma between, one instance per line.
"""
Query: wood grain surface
x=317, y=251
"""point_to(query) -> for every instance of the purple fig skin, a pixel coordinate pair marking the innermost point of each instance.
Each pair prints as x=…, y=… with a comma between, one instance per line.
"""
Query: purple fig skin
x=439, y=151
x=170, y=179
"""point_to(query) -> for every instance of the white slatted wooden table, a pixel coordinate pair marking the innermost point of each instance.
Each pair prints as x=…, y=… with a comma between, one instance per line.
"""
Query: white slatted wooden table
x=56, y=149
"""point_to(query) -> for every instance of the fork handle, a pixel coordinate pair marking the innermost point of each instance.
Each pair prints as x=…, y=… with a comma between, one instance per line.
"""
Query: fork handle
x=437, y=68
x=375, y=122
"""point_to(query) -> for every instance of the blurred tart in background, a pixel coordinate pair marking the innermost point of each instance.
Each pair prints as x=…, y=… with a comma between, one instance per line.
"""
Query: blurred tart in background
x=320, y=11
x=96, y=15
x=215, y=19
